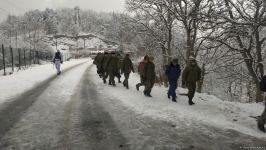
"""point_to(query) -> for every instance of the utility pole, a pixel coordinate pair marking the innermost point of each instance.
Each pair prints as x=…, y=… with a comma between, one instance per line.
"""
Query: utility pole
x=16, y=39
x=10, y=42
x=56, y=43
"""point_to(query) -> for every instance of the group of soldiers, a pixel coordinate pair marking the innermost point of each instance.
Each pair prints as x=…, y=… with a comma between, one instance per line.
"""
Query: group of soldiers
x=111, y=64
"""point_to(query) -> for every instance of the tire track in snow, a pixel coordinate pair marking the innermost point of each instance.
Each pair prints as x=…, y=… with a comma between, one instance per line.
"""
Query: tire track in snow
x=90, y=126
x=35, y=116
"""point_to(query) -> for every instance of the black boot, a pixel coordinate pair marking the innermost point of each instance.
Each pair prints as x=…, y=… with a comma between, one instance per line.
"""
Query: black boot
x=261, y=127
x=145, y=92
x=168, y=95
x=137, y=87
x=174, y=98
x=149, y=94
x=190, y=102
x=104, y=80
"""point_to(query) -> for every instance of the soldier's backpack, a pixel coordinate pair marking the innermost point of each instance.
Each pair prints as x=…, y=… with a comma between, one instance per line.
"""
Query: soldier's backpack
x=141, y=66
x=263, y=84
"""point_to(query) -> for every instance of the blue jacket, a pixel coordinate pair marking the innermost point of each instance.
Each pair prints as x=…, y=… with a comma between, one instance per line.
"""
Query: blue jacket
x=173, y=72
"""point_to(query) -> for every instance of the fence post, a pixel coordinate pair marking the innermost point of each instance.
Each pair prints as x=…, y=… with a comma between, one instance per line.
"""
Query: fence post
x=30, y=56
x=34, y=57
x=19, y=59
x=4, y=63
x=37, y=55
x=12, y=58
x=24, y=57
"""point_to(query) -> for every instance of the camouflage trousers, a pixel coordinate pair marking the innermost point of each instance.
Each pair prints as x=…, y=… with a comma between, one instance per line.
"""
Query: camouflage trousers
x=126, y=74
x=142, y=81
x=149, y=85
x=191, y=89
x=111, y=77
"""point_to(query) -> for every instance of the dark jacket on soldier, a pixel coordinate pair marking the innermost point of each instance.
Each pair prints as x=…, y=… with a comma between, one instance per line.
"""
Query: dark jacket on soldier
x=192, y=73
x=127, y=65
x=99, y=59
x=106, y=62
x=149, y=71
x=95, y=59
x=113, y=64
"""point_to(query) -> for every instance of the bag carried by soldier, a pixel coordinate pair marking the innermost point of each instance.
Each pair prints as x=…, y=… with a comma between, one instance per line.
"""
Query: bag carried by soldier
x=263, y=84
x=141, y=66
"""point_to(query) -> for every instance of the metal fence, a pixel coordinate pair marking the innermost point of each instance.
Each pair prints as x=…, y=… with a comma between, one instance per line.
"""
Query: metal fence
x=12, y=59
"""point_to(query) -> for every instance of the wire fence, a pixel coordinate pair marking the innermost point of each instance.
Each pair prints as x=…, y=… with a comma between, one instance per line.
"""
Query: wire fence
x=15, y=59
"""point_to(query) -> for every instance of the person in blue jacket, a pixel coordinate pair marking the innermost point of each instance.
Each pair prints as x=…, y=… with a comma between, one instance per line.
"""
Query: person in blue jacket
x=173, y=72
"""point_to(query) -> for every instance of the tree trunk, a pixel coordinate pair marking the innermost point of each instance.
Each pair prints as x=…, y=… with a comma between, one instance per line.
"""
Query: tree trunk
x=165, y=57
x=188, y=45
x=259, y=94
x=169, y=42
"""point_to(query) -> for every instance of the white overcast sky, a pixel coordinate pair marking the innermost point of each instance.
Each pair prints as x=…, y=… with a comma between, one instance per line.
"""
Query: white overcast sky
x=18, y=7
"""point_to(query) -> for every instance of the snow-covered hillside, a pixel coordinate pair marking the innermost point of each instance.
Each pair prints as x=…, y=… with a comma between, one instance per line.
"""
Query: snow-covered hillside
x=82, y=41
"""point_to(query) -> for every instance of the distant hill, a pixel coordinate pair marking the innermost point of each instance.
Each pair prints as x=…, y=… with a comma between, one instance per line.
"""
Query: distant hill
x=83, y=41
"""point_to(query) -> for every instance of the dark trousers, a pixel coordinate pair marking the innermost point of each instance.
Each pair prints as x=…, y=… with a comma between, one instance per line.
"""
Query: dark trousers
x=262, y=119
x=117, y=74
x=111, y=77
x=126, y=74
x=149, y=85
x=172, y=88
x=142, y=81
x=191, y=89
x=104, y=75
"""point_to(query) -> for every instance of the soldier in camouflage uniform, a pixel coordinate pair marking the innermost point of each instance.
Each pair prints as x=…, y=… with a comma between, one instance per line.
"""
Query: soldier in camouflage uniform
x=149, y=76
x=127, y=67
x=141, y=72
x=190, y=76
x=112, y=68
x=97, y=61
x=118, y=75
x=105, y=63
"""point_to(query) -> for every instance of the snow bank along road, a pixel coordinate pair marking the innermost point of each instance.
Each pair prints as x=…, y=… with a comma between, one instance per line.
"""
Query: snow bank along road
x=77, y=111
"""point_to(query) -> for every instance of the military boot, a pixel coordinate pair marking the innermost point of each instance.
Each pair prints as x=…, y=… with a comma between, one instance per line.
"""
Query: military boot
x=137, y=87
x=174, y=99
x=145, y=92
x=190, y=102
x=168, y=95
x=261, y=125
x=148, y=94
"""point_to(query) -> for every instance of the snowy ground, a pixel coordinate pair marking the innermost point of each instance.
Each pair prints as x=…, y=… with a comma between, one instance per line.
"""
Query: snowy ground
x=208, y=109
x=77, y=111
x=41, y=124
x=19, y=82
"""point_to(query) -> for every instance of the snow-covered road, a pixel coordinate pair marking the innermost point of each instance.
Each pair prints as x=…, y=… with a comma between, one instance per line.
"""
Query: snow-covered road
x=77, y=111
